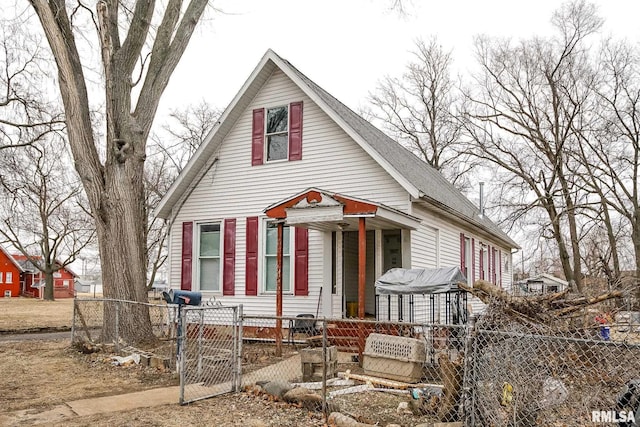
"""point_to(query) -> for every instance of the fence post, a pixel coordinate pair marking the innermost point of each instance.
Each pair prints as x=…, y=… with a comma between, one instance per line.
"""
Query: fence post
x=200, y=335
x=325, y=409
x=181, y=353
x=117, y=326
x=238, y=345
x=73, y=320
x=470, y=381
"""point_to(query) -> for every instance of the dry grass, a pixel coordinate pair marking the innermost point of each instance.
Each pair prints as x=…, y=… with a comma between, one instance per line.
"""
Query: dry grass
x=19, y=314
x=43, y=374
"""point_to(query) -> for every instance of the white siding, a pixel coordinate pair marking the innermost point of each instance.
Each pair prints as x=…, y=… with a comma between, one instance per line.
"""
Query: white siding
x=425, y=253
x=235, y=189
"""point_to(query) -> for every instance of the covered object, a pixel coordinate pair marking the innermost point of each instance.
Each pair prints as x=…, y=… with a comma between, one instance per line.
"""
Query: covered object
x=419, y=281
x=421, y=295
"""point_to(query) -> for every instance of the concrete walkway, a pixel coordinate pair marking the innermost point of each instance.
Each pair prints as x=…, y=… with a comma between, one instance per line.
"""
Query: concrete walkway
x=286, y=370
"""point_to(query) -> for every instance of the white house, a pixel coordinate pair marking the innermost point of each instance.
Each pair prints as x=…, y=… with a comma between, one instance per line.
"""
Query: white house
x=541, y=284
x=286, y=150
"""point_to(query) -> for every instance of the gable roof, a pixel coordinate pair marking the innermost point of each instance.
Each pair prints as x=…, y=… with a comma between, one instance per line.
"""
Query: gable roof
x=417, y=177
x=29, y=267
x=11, y=258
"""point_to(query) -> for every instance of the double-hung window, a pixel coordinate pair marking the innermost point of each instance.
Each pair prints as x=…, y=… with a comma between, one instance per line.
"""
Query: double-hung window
x=209, y=257
x=270, y=258
x=277, y=133
x=9, y=277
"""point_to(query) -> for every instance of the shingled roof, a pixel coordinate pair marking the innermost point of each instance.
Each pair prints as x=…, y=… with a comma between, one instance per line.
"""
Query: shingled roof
x=401, y=163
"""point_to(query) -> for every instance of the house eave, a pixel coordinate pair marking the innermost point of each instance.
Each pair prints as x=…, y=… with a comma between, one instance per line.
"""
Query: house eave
x=183, y=183
x=464, y=220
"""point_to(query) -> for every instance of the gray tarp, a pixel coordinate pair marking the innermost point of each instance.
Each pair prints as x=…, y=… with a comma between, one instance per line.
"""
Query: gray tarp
x=419, y=281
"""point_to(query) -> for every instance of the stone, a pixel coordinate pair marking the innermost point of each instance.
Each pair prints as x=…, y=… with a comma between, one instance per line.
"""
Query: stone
x=277, y=388
x=340, y=420
x=305, y=397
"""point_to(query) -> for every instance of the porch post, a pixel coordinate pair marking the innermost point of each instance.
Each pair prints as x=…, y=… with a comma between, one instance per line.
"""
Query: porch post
x=362, y=265
x=279, y=251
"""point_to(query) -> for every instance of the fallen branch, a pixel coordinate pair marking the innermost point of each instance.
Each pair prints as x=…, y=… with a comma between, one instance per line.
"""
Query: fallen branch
x=535, y=309
x=375, y=380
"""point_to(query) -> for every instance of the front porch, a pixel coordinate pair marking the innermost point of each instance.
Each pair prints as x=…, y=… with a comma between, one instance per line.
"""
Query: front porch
x=361, y=240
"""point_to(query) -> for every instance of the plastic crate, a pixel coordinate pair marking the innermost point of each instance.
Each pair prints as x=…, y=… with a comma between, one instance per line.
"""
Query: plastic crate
x=393, y=357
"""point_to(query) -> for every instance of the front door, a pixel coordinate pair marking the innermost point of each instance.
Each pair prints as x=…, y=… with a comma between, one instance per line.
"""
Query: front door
x=390, y=247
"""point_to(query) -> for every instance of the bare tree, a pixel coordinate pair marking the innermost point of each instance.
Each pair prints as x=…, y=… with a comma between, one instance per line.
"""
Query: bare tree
x=159, y=174
x=524, y=119
x=611, y=151
x=420, y=110
x=169, y=152
x=140, y=48
x=26, y=115
x=184, y=132
x=42, y=214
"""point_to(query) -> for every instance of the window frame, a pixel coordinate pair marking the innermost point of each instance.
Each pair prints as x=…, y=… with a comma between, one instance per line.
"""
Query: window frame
x=1, y=277
x=267, y=134
x=262, y=264
x=8, y=277
x=485, y=263
x=196, y=249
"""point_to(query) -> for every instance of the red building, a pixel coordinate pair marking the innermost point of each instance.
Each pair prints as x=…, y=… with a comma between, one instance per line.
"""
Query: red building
x=10, y=275
x=32, y=280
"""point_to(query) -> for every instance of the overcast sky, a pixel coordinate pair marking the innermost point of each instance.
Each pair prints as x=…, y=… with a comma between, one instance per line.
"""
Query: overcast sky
x=346, y=46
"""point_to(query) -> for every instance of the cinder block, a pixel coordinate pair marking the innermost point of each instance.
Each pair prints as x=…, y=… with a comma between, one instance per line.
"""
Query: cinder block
x=311, y=360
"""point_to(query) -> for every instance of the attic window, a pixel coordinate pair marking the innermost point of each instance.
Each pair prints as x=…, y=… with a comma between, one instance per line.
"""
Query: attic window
x=277, y=133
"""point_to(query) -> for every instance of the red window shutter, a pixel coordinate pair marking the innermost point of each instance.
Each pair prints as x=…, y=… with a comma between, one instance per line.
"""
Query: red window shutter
x=302, y=262
x=187, y=250
x=251, y=268
x=493, y=266
x=473, y=260
x=229, y=268
x=500, y=266
x=481, y=255
x=489, y=272
x=462, y=255
x=257, y=137
x=295, y=131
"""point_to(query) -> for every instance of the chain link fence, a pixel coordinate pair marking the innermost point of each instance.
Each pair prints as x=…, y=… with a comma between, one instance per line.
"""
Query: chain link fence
x=101, y=323
x=499, y=371
x=208, y=351
x=521, y=377
x=375, y=372
x=483, y=374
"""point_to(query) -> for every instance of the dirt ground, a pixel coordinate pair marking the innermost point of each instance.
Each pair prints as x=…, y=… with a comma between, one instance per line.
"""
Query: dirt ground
x=40, y=375
x=44, y=374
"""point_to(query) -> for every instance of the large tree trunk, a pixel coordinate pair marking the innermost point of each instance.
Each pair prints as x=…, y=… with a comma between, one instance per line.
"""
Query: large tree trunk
x=636, y=247
x=559, y=238
x=115, y=189
x=48, y=285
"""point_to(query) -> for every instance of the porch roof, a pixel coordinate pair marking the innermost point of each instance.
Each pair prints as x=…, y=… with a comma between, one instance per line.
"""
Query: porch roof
x=327, y=211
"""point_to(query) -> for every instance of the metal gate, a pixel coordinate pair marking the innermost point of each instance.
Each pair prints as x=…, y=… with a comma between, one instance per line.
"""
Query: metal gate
x=209, y=345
